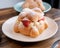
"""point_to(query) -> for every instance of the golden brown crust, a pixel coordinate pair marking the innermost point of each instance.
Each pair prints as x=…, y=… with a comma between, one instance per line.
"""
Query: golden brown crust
x=16, y=27
x=34, y=28
x=29, y=4
x=33, y=4
x=40, y=4
x=25, y=31
x=25, y=5
x=33, y=33
x=46, y=26
x=29, y=31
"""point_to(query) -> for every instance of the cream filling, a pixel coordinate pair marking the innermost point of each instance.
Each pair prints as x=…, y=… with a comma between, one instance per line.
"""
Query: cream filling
x=21, y=25
x=35, y=29
x=25, y=18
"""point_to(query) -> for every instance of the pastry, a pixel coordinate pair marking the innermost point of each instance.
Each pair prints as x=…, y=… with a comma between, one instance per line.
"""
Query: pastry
x=30, y=22
x=33, y=4
x=29, y=4
x=40, y=4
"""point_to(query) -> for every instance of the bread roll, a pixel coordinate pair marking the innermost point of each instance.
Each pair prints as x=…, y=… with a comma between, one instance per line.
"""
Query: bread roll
x=30, y=23
x=40, y=4
x=33, y=4
x=34, y=31
x=29, y=4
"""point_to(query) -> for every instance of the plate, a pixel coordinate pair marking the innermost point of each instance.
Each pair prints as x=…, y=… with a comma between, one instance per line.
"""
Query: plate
x=7, y=29
x=18, y=6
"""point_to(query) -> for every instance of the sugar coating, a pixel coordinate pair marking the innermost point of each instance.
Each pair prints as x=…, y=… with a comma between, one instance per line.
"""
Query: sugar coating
x=34, y=28
x=21, y=25
x=32, y=12
x=25, y=18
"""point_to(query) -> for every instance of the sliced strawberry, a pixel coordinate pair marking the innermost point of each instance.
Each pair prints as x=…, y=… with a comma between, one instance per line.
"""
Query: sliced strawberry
x=41, y=19
x=26, y=23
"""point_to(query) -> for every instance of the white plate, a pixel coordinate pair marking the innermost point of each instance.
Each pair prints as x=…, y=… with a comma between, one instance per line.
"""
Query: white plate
x=18, y=6
x=7, y=29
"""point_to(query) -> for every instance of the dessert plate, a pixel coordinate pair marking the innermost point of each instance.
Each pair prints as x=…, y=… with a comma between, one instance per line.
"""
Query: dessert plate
x=18, y=6
x=7, y=29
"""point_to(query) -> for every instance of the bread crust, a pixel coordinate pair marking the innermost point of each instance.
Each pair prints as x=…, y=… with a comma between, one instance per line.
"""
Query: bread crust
x=33, y=4
x=34, y=28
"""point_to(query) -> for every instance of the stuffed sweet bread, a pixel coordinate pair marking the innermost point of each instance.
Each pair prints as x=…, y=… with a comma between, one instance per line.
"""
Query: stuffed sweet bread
x=33, y=4
x=30, y=22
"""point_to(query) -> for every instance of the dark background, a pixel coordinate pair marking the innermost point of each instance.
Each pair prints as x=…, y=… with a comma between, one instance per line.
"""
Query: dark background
x=53, y=3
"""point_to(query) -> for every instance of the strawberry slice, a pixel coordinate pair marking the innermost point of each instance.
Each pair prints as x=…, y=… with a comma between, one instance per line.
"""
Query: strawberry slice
x=41, y=19
x=26, y=23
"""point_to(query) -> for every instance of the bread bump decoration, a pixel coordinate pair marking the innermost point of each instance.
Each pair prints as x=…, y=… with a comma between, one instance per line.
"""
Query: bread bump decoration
x=40, y=4
x=29, y=4
x=33, y=4
x=30, y=22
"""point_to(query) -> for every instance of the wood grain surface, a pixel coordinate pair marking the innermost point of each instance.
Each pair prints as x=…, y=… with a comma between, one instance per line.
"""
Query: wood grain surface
x=6, y=42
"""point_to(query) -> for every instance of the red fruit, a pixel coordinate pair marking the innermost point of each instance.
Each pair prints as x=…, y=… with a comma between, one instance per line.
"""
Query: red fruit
x=26, y=23
x=41, y=19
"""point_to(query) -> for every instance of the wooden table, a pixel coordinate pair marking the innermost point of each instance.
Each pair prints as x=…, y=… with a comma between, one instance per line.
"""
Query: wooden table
x=6, y=42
